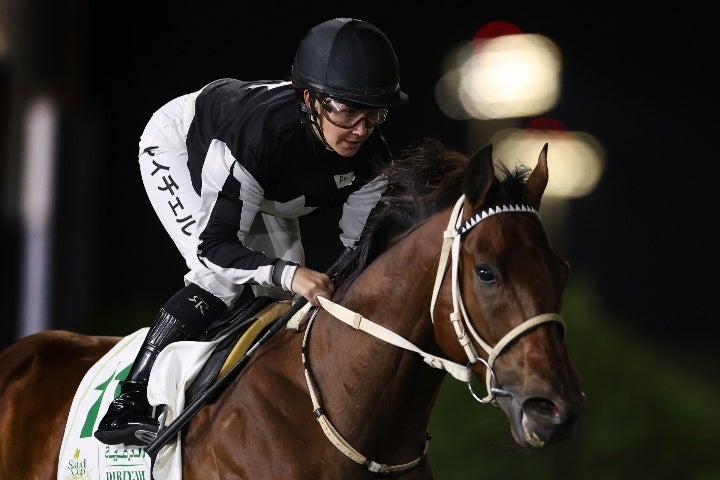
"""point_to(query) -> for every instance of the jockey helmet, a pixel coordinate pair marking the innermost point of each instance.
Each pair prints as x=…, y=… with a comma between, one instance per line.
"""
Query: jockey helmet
x=349, y=60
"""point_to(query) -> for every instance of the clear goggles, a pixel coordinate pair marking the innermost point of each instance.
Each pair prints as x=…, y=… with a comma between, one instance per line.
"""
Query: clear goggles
x=344, y=116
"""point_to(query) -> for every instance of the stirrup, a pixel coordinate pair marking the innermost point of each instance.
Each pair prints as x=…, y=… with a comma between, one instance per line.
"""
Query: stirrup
x=149, y=436
x=146, y=437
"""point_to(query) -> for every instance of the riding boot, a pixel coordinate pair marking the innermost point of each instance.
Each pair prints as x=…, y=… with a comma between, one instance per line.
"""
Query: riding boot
x=130, y=413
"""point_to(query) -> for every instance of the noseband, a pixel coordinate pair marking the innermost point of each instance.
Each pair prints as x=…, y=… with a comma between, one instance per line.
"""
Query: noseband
x=458, y=317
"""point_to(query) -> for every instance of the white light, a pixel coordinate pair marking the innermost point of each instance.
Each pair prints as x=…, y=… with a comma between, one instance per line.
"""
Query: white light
x=37, y=195
x=446, y=96
x=575, y=159
x=503, y=77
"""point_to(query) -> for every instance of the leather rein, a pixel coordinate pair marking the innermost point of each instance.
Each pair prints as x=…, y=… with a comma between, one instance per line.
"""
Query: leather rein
x=458, y=318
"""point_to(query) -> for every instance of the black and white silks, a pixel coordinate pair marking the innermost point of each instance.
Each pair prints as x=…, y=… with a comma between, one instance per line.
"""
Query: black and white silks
x=230, y=169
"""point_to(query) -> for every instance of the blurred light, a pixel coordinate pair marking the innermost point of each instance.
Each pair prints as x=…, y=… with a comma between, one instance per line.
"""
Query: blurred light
x=496, y=29
x=576, y=160
x=37, y=194
x=38, y=164
x=446, y=96
x=504, y=77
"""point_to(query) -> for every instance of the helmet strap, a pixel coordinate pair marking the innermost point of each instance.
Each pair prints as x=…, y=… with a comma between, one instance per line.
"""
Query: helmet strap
x=313, y=115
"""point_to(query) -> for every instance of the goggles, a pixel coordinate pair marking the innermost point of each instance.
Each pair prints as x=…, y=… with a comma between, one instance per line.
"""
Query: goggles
x=344, y=116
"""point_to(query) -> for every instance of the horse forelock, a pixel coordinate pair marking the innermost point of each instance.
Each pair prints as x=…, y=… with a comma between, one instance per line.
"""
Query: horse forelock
x=425, y=179
x=509, y=183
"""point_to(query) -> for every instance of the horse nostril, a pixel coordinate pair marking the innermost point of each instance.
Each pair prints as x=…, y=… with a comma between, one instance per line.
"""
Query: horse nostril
x=543, y=411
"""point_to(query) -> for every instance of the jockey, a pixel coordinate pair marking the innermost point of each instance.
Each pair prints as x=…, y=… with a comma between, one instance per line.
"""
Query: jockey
x=229, y=169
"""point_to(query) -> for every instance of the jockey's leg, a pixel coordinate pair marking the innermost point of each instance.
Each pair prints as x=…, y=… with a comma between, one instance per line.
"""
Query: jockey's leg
x=184, y=317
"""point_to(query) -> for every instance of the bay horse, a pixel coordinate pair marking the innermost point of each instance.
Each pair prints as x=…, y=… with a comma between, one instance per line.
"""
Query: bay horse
x=455, y=275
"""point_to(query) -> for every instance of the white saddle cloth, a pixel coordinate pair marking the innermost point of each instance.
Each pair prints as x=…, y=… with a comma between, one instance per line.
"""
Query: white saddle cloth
x=83, y=457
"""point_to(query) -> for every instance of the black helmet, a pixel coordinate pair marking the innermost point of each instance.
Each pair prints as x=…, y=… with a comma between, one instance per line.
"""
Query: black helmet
x=350, y=60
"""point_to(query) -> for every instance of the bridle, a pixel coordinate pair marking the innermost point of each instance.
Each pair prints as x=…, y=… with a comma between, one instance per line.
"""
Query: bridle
x=459, y=319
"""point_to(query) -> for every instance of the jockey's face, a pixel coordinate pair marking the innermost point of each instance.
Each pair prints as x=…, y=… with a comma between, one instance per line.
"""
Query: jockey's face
x=345, y=128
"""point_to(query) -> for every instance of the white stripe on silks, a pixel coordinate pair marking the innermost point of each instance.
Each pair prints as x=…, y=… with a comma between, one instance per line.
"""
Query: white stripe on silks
x=357, y=208
x=214, y=174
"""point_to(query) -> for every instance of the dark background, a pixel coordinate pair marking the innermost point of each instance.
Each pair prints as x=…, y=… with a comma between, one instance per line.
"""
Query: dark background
x=641, y=82
x=642, y=246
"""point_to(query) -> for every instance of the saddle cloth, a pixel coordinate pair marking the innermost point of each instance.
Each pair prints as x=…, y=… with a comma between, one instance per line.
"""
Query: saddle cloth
x=83, y=457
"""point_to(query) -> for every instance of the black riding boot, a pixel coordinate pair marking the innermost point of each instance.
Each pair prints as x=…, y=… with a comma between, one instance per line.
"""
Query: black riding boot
x=130, y=413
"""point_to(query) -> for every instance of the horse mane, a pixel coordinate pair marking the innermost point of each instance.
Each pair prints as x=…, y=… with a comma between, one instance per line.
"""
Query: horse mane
x=425, y=179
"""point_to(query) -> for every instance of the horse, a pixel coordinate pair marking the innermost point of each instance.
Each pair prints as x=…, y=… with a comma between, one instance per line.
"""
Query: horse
x=455, y=276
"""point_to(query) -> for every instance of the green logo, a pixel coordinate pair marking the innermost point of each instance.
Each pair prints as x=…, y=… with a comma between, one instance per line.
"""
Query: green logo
x=92, y=414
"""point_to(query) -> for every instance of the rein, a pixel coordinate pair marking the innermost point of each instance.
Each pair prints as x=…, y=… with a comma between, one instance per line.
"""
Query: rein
x=458, y=318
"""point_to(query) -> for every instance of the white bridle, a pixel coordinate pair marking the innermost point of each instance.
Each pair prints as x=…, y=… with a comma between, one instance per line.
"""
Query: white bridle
x=458, y=318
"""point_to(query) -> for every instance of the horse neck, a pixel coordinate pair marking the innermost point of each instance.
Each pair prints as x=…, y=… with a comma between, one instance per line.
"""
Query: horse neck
x=387, y=385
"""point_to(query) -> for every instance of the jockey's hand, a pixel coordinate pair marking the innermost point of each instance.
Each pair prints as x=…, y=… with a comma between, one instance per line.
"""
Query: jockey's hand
x=310, y=284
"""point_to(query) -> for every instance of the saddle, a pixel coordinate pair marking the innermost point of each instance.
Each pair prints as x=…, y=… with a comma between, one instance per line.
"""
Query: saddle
x=240, y=328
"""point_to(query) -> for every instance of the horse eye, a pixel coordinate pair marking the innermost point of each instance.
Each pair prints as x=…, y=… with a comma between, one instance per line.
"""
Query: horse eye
x=485, y=273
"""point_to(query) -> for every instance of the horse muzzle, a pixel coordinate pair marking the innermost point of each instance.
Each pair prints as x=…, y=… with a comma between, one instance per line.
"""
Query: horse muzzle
x=540, y=420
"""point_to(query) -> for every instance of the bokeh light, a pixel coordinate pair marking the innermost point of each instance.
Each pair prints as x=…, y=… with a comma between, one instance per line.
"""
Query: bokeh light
x=576, y=160
x=508, y=76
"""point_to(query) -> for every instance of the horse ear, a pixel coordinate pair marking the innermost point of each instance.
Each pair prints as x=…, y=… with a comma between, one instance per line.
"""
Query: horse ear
x=480, y=176
x=537, y=181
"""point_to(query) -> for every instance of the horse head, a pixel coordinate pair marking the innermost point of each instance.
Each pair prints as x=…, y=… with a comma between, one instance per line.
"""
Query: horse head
x=501, y=311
